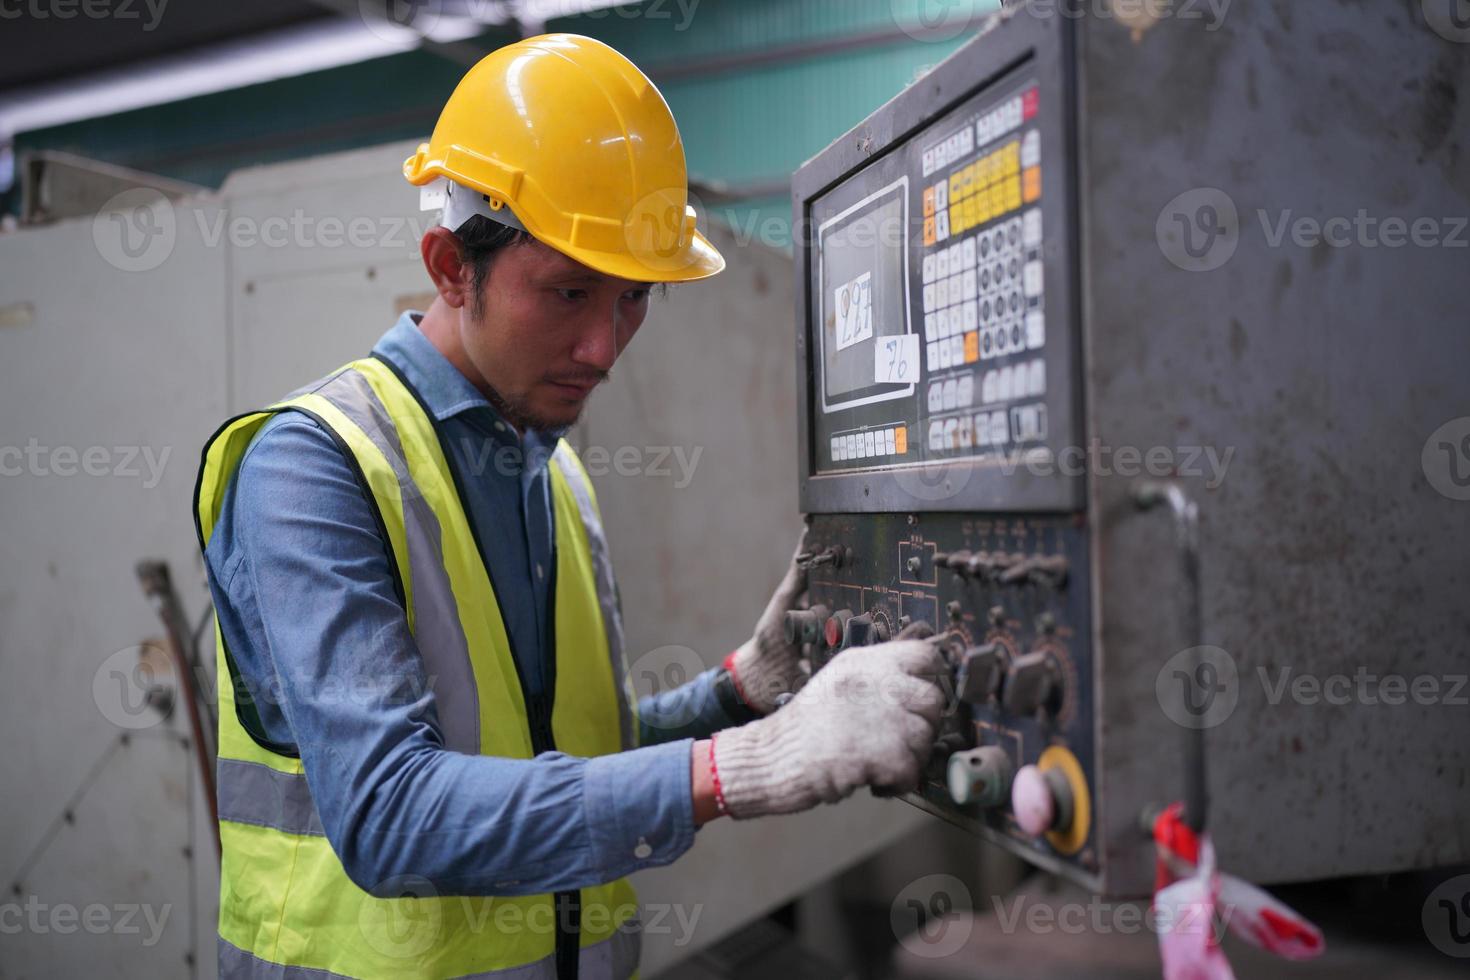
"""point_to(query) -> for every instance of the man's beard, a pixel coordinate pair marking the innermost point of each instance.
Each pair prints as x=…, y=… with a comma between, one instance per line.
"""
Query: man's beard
x=518, y=412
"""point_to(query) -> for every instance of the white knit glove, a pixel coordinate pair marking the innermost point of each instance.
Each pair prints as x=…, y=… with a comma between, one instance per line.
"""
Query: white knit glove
x=867, y=718
x=766, y=666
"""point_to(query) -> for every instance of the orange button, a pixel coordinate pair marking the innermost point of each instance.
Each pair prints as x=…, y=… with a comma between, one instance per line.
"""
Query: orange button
x=928, y=231
x=928, y=202
x=901, y=440
x=972, y=347
x=1031, y=189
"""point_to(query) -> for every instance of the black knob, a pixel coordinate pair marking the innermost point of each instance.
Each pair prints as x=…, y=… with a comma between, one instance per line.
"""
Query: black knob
x=981, y=669
x=1033, y=683
x=859, y=632
x=805, y=625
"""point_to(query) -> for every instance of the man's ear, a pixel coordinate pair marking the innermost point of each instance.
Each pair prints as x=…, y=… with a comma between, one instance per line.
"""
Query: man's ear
x=444, y=261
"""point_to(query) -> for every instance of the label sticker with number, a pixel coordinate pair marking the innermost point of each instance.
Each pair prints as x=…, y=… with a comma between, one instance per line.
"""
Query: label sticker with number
x=854, y=307
x=896, y=359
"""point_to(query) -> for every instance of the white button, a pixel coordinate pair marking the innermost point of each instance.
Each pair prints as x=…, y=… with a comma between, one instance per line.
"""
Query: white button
x=1031, y=149
x=957, y=349
x=1031, y=228
x=936, y=435
x=890, y=443
x=852, y=446
x=964, y=395
x=928, y=297
x=951, y=430
x=945, y=359
x=642, y=850
x=929, y=261
x=967, y=438
x=969, y=316
x=987, y=388
x=936, y=398
x=967, y=253
x=949, y=394
x=1037, y=370
x=956, y=287
x=1035, y=329
x=1032, y=275
x=941, y=264
x=930, y=326
x=1003, y=389
x=941, y=225
x=982, y=429
x=932, y=357
x=941, y=198
x=868, y=444
x=941, y=293
x=836, y=449
x=967, y=284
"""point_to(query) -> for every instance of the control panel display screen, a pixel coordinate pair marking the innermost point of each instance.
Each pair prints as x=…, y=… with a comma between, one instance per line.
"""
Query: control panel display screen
x=929, y=322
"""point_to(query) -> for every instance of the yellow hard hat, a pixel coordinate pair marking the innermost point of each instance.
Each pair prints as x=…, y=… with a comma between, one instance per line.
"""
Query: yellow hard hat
x=581, y=147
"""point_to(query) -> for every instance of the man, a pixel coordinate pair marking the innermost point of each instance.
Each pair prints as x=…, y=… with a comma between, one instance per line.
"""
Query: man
x=429, y=765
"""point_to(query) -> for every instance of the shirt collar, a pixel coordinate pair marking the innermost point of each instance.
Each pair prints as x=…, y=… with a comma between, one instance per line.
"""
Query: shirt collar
x=445, y=391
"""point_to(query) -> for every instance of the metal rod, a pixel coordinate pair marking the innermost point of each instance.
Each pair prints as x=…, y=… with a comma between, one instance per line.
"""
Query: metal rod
x=158, y=587
x=1148, y=494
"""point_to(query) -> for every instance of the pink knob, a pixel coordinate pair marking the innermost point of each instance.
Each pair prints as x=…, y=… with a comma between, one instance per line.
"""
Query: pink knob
x=1032, y=801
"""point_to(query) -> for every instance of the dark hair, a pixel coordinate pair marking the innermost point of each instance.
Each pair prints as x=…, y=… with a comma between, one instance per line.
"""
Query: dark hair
x=481, y=239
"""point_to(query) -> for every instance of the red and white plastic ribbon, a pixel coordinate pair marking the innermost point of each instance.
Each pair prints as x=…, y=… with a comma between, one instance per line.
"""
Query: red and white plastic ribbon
x=1191, y=896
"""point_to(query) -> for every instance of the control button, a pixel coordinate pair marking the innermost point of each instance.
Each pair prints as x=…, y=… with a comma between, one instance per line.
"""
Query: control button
x=805, y=625
x=980, y=776
x=1041, y=800
x=836, y=628
x=1032, y=683
x=981, y=669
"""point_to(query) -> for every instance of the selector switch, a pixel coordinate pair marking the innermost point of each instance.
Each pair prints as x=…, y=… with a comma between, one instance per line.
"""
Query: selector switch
x=980, y=671
x=859, y=632
x=980, y=776
x=1033, y=683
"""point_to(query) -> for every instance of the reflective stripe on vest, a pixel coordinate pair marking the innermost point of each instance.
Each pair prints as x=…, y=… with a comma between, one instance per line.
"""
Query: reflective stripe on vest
x=287, y=907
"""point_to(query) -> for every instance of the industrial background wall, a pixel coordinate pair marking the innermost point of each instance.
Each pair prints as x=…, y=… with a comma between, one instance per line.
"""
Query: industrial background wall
x=100, y=807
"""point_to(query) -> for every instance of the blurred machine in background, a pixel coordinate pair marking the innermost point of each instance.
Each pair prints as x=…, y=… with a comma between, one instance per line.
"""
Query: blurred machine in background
x=1049, y=273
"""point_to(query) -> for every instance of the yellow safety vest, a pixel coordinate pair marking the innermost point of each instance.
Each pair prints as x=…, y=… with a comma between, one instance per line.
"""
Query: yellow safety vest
x=287, y=906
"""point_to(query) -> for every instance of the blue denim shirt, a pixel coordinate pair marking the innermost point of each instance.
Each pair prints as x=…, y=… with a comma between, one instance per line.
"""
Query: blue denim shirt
x=307, y=607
